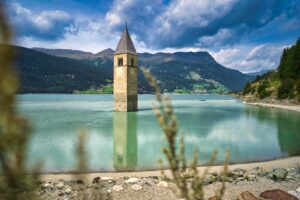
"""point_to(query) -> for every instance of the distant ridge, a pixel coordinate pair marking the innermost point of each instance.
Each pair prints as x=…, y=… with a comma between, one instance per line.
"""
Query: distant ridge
x=259, y=73
x=106, y=53
x=43, y=73
x=183, y=72
x=75, y=54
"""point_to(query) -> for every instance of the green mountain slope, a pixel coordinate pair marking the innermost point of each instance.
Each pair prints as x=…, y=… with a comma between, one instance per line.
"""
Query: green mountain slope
x=179, y=72
x=43, y=73
x=190, y=70
x=283, y=83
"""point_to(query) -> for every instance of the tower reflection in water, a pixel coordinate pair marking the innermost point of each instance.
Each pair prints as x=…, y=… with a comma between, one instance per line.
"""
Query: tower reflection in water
x=125, y=140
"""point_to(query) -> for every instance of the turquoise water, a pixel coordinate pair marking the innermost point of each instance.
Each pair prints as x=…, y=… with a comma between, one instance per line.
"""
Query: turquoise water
x=133, y=141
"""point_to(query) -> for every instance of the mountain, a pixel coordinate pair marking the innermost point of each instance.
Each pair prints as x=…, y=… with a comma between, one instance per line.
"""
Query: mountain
x=176, y=72
x=43, y=73
x=259, y=73
x=283, y=83
x=106, y=53
x=74, y=54
x=192, y=71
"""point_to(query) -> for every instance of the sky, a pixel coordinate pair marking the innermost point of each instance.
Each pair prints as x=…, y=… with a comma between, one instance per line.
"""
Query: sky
x=246, y=35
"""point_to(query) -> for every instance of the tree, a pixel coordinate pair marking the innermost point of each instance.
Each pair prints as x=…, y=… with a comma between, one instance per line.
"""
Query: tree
x=261, y=90
x=285, y=90
x=247, y=88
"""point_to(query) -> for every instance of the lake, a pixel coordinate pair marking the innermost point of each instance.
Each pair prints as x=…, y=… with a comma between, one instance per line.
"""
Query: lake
x=133, y=141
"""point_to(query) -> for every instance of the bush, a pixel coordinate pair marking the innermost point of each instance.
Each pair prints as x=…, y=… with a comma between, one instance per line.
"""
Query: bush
x=285, y=90
x=298, y=89
x=247, y=89
x=261, y=90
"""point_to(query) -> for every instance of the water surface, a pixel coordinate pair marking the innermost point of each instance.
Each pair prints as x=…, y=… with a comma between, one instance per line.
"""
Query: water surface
x=133, y=141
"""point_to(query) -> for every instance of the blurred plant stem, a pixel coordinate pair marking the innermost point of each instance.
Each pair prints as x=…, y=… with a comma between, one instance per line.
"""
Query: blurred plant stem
x=14, y=130
x=188, y=180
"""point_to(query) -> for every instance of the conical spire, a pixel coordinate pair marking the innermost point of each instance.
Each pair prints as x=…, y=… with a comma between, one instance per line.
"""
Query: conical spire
x=125, y=44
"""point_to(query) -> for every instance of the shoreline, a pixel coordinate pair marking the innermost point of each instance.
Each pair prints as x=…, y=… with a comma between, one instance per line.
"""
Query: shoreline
x=269, y=164
x=89, y=176
x=278, y=175
x=281, y=175
x=295, y=108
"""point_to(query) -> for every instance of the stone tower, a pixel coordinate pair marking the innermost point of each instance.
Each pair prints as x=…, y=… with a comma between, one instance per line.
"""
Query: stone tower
x=125, y=75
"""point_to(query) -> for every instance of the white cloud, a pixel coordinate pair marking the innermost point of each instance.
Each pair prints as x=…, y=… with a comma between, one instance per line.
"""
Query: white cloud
x=118, y=13
x=224, y=56
x=220, y=37
x=196, y=13
x=250, y=58
x=89, y=36
x=150, y=22
x=47, y=19
x=50, y=24
x=182, y=14
x=21, y=10
x=113, y=19
x=84, y=34
x=137, y=12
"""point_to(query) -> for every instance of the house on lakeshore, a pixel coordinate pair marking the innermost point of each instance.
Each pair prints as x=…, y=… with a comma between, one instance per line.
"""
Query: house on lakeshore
x=125, y=75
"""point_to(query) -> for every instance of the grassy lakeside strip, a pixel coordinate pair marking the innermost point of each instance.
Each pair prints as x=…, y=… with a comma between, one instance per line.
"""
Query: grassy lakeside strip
x=104, y=90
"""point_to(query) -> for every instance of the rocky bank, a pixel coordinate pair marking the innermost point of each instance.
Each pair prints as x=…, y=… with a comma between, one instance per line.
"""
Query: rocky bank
x=257, y=183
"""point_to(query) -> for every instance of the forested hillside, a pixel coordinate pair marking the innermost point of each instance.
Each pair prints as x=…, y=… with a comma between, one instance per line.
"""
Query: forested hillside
x=181, y=72
x=43, y=73
x=283, y=83
x=69, y=71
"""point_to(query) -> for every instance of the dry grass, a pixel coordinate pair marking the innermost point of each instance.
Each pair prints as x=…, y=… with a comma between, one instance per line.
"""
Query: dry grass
x=16, y=181
x=187, y=178
x=14, y=130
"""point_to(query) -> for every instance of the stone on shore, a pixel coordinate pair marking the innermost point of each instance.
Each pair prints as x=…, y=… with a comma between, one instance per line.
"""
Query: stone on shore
x=295, y=193
x=132, y=180
x=279, y=174
x=107, y=178
x=47, y=188
x=117, y=188
x=212, y=198
x=293, y=173
x=60, y=185
x=247, y=196
x=162, y=184
x=67, y=191
x=96, y=180
x=277, y=195
x=136, y=187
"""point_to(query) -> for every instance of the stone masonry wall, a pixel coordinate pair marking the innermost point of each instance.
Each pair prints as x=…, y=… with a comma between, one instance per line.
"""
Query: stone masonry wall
x=125, y=83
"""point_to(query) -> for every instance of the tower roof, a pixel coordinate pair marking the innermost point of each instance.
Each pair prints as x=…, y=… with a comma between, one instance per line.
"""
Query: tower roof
x=125, y=44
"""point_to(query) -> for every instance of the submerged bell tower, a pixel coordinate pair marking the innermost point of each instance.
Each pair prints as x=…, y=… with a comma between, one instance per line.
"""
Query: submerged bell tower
x=125, y=75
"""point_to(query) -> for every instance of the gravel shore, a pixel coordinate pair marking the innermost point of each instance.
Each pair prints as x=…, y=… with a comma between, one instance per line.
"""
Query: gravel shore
x=283, y=174
x=255, y=181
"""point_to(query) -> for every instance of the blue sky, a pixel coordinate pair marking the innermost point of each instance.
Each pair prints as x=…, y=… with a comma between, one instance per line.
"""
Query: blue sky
x=247, y=35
